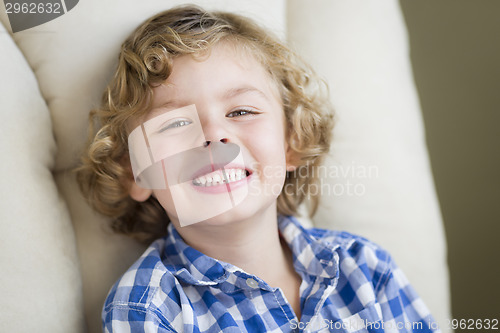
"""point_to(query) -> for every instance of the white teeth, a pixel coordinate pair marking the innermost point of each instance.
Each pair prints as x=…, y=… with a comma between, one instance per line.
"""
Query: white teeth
x=217, y=177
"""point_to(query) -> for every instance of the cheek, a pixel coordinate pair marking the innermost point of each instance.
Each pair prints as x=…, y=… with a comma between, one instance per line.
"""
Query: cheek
x=267, y=148
x=267, y=135
x=266, y=144
x=164, y=197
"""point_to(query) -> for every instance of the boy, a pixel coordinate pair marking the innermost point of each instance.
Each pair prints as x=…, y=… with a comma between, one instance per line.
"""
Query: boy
x=208, y=126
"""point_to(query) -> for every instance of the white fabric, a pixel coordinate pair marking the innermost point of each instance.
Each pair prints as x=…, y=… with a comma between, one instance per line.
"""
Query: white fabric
x=40, y=283
x=360, y=46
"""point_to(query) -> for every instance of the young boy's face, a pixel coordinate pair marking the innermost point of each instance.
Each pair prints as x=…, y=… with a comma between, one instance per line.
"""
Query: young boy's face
x=218, y=125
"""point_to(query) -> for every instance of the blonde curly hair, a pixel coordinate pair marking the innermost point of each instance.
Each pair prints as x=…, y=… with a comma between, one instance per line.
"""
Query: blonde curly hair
x=145, y=60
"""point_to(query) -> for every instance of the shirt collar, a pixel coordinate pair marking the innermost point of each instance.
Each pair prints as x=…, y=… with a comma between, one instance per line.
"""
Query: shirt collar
x=311, y=256
x=191, y=265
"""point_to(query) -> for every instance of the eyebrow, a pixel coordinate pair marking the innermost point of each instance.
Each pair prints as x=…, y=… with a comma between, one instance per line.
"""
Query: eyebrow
x=173, y=104
x=230, y=93
x=233, y=92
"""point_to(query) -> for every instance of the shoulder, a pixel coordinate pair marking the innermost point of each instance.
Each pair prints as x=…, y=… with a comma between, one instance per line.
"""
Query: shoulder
x=354, y=244
x=347, y=255
x=357, y=255
x=138, y=283
x=133, y=299
x=370, y=279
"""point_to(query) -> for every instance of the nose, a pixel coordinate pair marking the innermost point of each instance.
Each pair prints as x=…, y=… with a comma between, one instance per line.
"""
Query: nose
x=214, y=129
x=223, y=140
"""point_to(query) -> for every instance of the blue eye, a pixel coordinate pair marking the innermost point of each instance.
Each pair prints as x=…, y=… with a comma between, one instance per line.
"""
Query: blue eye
x=175, y=124
x=239, y=113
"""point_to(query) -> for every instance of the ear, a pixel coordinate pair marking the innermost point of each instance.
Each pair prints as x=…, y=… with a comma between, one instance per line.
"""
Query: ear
x=138, y=193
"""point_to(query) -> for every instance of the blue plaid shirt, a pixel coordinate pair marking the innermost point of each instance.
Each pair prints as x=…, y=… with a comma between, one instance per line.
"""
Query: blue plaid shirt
x=349, y=285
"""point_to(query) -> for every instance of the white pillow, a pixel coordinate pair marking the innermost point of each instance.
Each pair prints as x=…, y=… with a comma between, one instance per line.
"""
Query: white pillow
x=40, y=283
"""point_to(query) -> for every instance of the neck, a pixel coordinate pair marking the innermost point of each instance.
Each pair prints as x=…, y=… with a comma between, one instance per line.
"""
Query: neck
x=251, y=244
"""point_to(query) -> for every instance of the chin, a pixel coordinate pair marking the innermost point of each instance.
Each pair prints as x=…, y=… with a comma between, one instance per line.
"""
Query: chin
x=245, y=211
x=232, y=216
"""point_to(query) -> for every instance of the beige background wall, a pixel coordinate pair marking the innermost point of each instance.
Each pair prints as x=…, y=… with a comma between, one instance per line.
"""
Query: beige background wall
x=455, y=50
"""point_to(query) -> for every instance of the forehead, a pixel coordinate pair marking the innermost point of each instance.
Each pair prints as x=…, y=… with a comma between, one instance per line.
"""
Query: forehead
x=224, y=71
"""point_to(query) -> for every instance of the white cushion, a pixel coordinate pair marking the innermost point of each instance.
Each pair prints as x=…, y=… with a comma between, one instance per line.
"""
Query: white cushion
x=380, y=180
x=40, y=283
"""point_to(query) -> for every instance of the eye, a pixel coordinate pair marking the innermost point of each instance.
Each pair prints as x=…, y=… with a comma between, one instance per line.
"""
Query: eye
x=175, y=124
x=242, y=112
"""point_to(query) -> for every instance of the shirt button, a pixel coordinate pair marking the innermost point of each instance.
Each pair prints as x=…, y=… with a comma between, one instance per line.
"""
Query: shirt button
x=252, y=283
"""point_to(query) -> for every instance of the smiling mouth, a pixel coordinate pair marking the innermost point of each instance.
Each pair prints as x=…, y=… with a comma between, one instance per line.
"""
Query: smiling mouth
x=220, y=177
